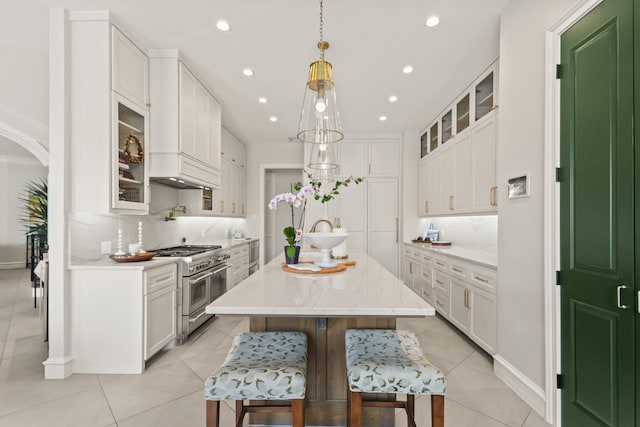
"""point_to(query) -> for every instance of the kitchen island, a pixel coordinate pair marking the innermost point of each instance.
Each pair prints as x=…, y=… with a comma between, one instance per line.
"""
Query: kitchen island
x=323, y=306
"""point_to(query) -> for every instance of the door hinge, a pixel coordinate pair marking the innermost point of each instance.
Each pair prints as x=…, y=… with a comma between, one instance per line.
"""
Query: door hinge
x=558, y=71
x=557, y=278
x=558, y=175
x=559, y=381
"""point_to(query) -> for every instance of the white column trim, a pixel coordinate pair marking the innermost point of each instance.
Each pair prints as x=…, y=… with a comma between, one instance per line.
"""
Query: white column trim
x=552, y=395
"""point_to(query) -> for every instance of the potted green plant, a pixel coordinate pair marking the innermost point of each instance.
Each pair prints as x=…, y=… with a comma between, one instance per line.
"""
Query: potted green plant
x=35, y=211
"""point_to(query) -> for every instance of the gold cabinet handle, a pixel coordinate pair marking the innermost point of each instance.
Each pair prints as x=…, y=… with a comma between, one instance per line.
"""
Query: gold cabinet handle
x=493, y=196
x=619, y=294
x=426, y=204
x=439, y=303
x=439, y=282
x=410, y=268
x=233, y=207
x=221, y=205
x=457, y=270
x=450, y=203
x=480, y=279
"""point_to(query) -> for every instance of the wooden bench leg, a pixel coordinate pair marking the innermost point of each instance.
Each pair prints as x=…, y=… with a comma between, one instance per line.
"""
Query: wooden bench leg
x=213, y=413
x=411, y=410
x=355, y=412
x=437, y=410
x=239, y=412
x=297, y=412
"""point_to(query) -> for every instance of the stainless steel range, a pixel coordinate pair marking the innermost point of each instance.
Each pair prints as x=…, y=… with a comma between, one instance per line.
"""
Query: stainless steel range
x=203, y=273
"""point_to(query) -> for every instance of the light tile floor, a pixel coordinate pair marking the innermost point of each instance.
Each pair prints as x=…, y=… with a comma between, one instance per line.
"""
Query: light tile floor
x=170, y=392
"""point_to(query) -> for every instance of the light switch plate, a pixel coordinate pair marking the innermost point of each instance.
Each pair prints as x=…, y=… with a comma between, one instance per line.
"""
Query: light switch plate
x=105, y=248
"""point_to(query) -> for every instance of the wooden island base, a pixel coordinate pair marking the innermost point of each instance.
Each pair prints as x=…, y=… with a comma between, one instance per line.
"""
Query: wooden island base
x=326, y=396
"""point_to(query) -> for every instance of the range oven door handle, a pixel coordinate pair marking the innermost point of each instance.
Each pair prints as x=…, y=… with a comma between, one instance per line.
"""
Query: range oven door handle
x=195, y=319
x=192, y=281
x=226, y=267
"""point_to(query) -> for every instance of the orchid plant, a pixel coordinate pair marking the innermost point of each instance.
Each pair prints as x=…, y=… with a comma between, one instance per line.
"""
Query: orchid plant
x=298, y=199
x=291, y=233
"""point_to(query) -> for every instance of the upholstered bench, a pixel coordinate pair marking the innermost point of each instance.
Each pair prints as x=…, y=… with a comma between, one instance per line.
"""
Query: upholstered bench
x=390, y=361
x=260, y=366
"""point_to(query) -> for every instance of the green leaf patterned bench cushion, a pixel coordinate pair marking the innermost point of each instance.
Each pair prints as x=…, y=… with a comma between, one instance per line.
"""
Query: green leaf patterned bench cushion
x=261, y=366
x=389, y=361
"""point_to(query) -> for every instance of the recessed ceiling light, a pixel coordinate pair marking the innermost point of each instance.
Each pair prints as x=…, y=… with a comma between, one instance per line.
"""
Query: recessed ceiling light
x=273, y=119
x=223, y=25
x=393, y=98
x=408, y=69
x=383, y=118
x=247, y=72
x=172, y=179
x=262, y=100
x=432, y=21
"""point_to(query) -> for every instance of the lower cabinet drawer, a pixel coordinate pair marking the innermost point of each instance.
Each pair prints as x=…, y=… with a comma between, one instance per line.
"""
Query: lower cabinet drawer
x=441, y=303
x=441, y=283
x=428, y=294
x=160, y=277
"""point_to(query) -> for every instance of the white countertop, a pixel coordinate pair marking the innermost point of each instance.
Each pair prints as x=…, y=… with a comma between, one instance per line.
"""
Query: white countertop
x=107, y=263
x=366, y=289
x=485, y=259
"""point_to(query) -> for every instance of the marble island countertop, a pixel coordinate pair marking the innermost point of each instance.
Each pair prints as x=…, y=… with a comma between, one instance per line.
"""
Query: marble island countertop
x=363, y=290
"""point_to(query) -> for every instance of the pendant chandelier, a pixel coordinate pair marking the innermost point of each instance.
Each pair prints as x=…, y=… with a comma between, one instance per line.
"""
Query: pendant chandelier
x=319, y=119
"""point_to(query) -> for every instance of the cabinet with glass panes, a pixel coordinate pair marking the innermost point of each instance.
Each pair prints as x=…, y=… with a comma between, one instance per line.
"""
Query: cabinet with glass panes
x=447, y=126
x=131, y=166
x=485, y=94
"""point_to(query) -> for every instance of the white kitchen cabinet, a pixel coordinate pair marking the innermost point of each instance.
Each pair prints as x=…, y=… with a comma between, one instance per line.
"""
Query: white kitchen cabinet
x=412, y=268
x=368, y=157
x=105, y=121
x=463, y=185
x=130, y=70
x=464, y=154
x=198, y=202
x=231, y=199
x=382, y=222
x=126, y=314
x=447, y=178
x=239, y=264
x=351, y=208
x=160, y=302
x=484, y=312
x=485, y=196
x=460, y=313
x=186, y=125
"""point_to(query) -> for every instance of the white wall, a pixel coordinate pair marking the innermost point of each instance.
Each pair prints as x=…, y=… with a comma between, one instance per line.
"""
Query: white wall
x=15, y=172
x=521, y=140
x=24, y=76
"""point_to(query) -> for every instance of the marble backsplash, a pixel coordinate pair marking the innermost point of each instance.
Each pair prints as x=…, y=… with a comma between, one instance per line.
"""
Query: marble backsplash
x=88, y=231
x=478, y=233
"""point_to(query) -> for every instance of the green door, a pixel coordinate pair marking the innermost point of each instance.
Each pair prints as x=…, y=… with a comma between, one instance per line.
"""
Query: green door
x=597, y=219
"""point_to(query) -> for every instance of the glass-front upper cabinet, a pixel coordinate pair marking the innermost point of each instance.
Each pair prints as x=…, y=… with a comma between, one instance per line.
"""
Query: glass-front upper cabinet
x=424, y=144
x=131, y=184
x=462, y=114
x=447, y=126
x=433, y=140
x=484, y=96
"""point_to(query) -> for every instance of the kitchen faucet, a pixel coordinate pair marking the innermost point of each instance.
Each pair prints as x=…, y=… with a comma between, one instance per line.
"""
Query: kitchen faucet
x=172, y=214
x=315, y=224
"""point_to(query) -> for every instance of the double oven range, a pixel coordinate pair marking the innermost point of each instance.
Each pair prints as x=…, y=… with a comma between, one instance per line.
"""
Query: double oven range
x=202, y=273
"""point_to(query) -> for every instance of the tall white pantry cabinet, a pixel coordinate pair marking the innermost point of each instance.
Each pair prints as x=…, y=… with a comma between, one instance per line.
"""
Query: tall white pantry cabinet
x=369, y=211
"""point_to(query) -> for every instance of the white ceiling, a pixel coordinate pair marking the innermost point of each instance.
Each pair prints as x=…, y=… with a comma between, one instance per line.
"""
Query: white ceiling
x=371, y=41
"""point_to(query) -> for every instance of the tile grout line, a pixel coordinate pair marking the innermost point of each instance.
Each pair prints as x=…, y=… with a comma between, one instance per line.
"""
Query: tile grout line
x=106, y=400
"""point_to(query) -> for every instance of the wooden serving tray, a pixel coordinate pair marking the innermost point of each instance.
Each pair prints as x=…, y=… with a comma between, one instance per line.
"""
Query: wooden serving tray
x=342, y=266
x=133, y=258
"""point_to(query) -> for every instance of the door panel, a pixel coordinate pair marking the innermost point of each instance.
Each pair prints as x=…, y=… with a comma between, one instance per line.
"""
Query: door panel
x=596, y=219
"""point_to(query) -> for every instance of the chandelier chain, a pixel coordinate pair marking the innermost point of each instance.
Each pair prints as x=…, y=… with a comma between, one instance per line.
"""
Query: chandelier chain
x=321, y=29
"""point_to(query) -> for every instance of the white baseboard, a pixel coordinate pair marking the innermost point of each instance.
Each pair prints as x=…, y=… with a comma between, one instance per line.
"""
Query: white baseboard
x=520, y=384
x=12, y=265
x=57, y=368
